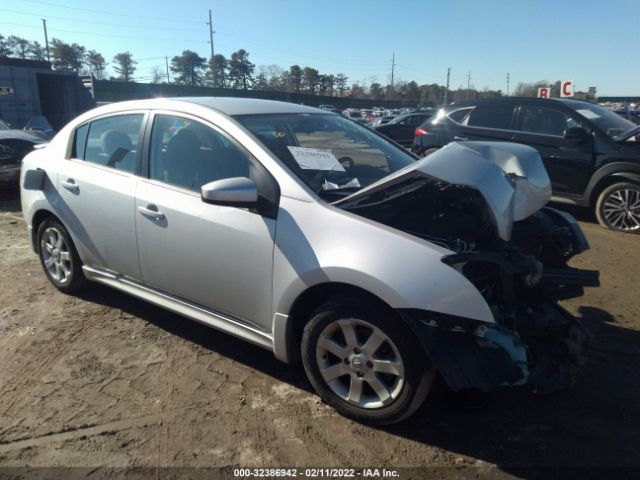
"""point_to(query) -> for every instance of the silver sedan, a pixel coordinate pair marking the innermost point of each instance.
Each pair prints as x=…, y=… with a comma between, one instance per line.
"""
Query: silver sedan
x=314, y=237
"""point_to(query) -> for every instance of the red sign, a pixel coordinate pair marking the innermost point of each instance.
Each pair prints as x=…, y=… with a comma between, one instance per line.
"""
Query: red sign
x=566, y=88
x=544, y=92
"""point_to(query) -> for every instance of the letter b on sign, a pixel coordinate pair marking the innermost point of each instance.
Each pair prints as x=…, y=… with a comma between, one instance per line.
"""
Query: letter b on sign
x=566, y=88
x=543, y=92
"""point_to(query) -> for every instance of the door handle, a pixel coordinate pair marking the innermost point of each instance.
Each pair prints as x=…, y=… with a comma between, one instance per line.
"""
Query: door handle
x=70, y=184
x=460, y=139
x=151, y=211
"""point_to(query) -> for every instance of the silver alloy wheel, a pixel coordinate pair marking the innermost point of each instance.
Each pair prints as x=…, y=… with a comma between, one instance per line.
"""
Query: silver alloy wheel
x=621, y=209
x=56, y=255
x=360, y=363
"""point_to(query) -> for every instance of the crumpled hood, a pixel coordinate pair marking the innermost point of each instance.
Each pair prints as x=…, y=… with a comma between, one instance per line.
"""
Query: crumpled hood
x=510, y=177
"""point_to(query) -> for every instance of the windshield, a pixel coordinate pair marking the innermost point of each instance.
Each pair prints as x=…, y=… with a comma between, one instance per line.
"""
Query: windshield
x=611, y=123
x=332, y=155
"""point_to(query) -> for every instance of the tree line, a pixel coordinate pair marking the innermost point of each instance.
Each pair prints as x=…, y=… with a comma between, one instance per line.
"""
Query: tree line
x=234, y=72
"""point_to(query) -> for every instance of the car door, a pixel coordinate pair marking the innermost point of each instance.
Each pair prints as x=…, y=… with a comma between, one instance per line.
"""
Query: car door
x=487, y=121
x=96, y=189
x=569, y=164
x=218, y=257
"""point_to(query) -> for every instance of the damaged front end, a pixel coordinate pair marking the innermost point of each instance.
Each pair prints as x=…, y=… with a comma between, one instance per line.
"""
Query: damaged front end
x=485, y=203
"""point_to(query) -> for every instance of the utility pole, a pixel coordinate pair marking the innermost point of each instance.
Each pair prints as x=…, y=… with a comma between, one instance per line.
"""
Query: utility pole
x=46, y=39
x=446, y=90
x=166, y=61
x=507, y=84
x=468, y=84
x=393, y=66
x=211, y=32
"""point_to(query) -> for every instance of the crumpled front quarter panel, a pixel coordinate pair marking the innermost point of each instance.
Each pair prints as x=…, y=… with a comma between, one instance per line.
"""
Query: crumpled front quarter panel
x=317, y=243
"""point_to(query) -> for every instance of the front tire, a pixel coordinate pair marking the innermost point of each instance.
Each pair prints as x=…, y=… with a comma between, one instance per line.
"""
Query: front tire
x=364, y=362
x=59, y=258
x=618, y=207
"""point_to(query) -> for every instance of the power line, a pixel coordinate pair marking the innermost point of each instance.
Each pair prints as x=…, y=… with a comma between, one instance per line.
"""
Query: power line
x=173, y=20
x=119, y=25
x=94, y=34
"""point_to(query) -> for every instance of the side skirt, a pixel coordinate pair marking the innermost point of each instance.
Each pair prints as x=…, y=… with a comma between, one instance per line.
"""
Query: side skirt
x=195, y=312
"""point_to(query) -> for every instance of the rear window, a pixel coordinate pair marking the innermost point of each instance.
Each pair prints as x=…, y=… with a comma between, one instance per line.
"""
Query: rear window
x=491, y=116
x=460, y=115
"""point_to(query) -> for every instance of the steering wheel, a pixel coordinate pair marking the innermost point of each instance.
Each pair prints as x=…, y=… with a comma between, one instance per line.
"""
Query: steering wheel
x=346, y=162
x=333, y=176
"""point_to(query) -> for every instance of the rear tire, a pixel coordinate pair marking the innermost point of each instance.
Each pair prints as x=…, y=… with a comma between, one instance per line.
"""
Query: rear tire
x=59, y=258
x=618, y=207
x=364, y=362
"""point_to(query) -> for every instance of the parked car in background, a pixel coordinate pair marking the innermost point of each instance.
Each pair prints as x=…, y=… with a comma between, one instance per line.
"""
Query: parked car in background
x=631, y=115
x=329, y=108
x=380, y=121
x=402, y=128
x=355, y=115
x=14, y=145
x=592, y=154
x=313, y=237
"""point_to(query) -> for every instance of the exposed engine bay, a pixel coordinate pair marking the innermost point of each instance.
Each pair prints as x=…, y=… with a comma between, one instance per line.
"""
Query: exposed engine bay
x=534, y=340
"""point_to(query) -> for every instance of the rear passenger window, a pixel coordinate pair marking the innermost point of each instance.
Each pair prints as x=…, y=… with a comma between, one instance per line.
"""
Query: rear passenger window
x=491, y=116
x=110, y=141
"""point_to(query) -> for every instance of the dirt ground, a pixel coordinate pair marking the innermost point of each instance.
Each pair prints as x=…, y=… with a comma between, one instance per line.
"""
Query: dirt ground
x=105, y=380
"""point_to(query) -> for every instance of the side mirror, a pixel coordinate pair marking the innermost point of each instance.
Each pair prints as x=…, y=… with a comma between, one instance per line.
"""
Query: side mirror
x=576, y=135
x=235, y=192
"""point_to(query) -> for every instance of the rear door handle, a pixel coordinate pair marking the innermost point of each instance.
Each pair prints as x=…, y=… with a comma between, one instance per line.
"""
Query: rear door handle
x=70, y=184
x=151, y=211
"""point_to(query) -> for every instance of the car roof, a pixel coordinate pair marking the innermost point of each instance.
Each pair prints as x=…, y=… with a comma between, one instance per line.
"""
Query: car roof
x=231, y=106
x=570, y=102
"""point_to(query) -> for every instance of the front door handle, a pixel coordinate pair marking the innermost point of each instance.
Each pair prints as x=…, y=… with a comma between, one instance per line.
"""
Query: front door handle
x=460, y=139
x=151, y=211
x=70, y=184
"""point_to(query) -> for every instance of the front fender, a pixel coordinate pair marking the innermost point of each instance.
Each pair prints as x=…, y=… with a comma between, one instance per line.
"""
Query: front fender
x=318, y=243
x=620, y=169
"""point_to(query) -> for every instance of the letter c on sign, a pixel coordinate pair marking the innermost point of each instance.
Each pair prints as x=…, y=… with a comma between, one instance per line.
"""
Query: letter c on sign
x=566, y=89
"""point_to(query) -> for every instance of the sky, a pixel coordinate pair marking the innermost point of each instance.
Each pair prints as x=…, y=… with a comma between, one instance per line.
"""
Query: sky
x=591, y=42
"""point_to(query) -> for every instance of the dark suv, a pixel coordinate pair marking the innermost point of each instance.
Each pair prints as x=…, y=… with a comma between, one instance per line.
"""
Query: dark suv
x=591, y=154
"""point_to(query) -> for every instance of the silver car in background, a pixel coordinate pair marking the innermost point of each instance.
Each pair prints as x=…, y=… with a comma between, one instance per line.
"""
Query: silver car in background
x=316, y=238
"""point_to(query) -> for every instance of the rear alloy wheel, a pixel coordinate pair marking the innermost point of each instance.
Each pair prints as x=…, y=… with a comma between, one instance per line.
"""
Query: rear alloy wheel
x=618, y=207
x=364, y=363
x=59, y=258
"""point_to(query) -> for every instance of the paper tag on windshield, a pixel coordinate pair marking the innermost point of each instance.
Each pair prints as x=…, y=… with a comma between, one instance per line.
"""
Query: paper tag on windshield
x=315, y=159
x=588, y=114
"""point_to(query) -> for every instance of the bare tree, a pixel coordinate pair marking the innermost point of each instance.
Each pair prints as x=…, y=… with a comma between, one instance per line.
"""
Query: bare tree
x=157, y=74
